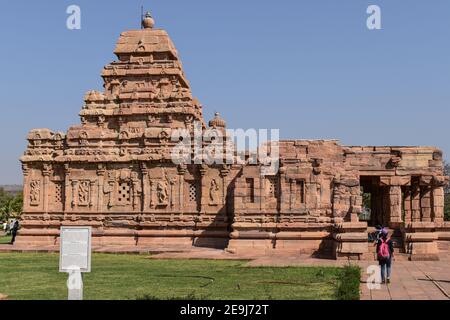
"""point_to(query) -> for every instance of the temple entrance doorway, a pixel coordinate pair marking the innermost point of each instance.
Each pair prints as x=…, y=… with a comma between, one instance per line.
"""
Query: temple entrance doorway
x=375, y=201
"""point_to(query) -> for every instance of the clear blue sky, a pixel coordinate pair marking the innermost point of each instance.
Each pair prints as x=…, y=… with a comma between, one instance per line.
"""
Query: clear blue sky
x=308, y=67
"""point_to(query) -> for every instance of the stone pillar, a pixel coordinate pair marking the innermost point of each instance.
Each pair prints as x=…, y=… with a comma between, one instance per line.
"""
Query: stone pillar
x=438, y=204
x=408, y=207
x=292, y=191
x=74, y=193
x=262, y=193
x=67, y=190
x=172, y=193
x=100, y=182
x=386, y=206
x=181, y=172
x=46, y=171
x=151, y=193
x=395, y=204
x=425, y=204
x=135, y=193
x=285, y=194
x=92, y=199
x=145, y=187
x=415, y=203
x=224, y=175
x=203, y=188
x=26, y=183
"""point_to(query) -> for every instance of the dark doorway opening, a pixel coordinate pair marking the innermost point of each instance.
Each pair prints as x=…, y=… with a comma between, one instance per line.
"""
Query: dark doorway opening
x=375, y=201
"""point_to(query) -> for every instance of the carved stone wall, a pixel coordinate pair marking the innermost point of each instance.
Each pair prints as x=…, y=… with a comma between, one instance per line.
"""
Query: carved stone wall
x=114, y=171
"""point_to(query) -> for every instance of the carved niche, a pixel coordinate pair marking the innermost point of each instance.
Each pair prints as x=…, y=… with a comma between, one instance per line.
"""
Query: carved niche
x=35, y=192
x=214, y=193
x=123, y=189
x=162, y=194
x=83, y=141
x=84, y=193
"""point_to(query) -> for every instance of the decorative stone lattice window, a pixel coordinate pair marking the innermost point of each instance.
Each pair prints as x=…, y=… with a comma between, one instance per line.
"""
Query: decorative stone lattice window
x=58, y=192
x=250, y=182
x=123, y=194
x=273, y=187
x=193, y=192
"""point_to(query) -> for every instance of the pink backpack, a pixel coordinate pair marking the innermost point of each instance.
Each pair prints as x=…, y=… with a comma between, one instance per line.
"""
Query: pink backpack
x=383, y=250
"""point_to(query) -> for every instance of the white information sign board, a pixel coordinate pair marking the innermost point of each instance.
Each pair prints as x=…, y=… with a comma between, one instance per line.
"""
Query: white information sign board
x=75, y=249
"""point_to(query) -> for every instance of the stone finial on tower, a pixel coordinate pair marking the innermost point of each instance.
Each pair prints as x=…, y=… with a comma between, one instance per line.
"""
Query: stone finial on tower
x=147, y=21
x=217, y=122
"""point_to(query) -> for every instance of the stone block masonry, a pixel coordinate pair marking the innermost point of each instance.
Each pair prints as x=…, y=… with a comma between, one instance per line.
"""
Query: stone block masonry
x=114, y=172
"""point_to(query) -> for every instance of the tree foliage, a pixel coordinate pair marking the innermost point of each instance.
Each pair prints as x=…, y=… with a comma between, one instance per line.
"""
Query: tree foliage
x=10, y=205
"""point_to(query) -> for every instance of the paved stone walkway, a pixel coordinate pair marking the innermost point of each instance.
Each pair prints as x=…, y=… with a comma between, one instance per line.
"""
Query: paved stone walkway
x=411, y=280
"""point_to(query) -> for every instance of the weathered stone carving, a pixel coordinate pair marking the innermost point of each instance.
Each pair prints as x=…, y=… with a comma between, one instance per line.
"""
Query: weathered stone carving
x=114, y=172
x=214, y=193
x=84, y=193
x=161, y=193
x=35, y=192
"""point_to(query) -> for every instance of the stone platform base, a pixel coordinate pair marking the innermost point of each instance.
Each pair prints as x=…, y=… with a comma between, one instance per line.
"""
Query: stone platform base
x=267, y=246
x=129, y=242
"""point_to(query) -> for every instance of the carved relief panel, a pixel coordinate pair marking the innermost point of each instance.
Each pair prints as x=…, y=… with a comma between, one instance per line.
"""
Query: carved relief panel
x=35, y=193
x=163, y=188
x=162, y=193
x=84, y=193
x=122, y=188
x=214, y=192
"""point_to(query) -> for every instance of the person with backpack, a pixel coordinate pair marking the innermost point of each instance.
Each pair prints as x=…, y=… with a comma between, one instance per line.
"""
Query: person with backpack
x=14, y=230
x=385, y=254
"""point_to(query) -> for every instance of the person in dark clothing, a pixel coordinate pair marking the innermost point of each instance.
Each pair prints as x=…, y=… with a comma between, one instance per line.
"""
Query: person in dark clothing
x=14, y=230
x=385, y=263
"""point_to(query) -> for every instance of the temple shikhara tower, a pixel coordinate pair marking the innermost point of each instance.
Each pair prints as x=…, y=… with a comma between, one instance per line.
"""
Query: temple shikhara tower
x=114, y=172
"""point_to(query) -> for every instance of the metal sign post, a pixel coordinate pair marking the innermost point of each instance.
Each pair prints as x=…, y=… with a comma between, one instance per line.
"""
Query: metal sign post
x=75, y=258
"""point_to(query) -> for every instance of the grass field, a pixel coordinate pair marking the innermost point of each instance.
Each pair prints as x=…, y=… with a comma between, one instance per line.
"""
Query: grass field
x=35, y=276
x=5, y=239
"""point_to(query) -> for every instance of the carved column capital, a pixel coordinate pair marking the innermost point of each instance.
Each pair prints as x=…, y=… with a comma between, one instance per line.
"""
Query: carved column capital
x=144, y=168
x=46, y=169
x=25, y=169
x=67, y=169
x=101, y=170
x=182, y=169
x=224, y=171
x=203, y=170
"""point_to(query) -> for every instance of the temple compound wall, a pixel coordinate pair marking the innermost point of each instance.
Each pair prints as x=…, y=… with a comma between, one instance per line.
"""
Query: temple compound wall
x=115, y=172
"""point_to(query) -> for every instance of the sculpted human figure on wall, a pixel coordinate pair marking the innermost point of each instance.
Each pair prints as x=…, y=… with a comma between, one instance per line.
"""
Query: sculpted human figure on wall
x=35, y=191
x=161, y=193
x=214, y=192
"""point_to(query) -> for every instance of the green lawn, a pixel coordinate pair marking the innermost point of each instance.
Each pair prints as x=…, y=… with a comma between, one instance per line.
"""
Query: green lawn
x=35, y=276
x=5, y=239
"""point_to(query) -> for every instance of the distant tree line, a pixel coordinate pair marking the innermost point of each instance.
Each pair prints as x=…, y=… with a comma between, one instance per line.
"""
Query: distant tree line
x=11, y=205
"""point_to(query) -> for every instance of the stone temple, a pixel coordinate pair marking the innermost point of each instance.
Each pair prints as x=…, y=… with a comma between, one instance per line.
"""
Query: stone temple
x=114, y=172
